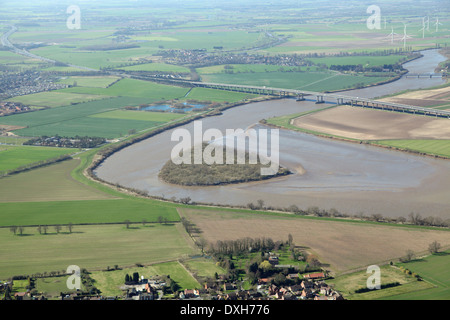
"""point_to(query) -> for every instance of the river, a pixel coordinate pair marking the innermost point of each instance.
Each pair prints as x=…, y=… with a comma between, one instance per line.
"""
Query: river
x=351, y=178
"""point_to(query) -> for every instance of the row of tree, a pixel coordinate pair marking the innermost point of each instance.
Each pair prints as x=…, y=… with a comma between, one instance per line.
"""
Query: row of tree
x=42, y=229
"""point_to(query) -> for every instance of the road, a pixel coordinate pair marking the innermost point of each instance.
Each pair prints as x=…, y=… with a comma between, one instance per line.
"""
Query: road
x=5, y=42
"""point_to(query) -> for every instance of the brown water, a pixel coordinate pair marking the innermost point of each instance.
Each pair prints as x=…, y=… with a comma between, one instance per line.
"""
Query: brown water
x=350, y=177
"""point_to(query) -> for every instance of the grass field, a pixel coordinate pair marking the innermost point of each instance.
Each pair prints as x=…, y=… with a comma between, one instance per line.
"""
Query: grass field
x=140, y=115
x=109, y=282
x=89, y=81
x=75, y=120
x=134, y=89
x=433, y=147
x=249, y=68
x=55, y=99
x=347, y=284
x=12, y=157
x=164, y=67
x=83, y=211
x=365, y=61
x=49, y=183
x=205, y=94
x=313, y=81
x=91, y=247
x=435, y=270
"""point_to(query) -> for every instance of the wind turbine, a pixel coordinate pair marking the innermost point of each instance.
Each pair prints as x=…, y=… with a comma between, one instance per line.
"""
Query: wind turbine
x=392, y=35
x=405, y=36
x=423, y=28
x=428, y=23
x=437, y=24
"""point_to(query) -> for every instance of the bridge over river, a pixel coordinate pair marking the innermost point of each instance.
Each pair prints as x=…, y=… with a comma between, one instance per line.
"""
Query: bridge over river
x=320, y=97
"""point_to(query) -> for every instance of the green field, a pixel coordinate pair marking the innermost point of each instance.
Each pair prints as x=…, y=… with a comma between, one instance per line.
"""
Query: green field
x=83, y=211
x=347, y=284
x=250, y=68
x=312, y=81
x=164, y=67
x=434, y=147
x=89, y=81
x=91, y=247
x=71, y=121
x=205, y=94
x=365, y=61
x=140, y=115
x=48, y=183
x=13, y=157
x=55, y=99
x=435, y=270
x=109, y=282
x=134, y=89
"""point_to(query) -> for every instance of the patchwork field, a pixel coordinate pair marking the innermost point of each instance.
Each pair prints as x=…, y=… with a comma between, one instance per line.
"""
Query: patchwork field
x=71, y=121
x=344, y=245
x=370, y=124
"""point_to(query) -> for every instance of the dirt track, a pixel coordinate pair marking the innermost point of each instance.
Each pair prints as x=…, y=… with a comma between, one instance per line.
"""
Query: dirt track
x=370, y=124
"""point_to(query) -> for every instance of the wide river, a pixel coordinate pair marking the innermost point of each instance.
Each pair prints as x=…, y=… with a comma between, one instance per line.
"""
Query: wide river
x=351, y=178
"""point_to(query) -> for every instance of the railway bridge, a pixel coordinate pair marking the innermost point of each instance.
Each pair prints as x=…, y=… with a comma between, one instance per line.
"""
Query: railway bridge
x=425, y=75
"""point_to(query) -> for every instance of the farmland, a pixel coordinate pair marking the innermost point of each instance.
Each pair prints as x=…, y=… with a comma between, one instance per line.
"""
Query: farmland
x=341, y=244
x=114, y=226
x=12, y=157
x=114, y=245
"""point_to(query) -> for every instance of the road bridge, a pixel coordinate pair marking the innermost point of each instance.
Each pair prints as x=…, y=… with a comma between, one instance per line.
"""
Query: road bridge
x=319, y=97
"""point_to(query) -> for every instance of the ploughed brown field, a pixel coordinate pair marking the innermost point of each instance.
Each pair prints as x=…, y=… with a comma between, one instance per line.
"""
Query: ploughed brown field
x=373, y=124
x=423, y=98
x=343, y=245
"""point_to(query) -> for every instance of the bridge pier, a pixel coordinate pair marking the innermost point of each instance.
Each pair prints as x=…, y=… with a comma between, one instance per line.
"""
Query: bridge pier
x=320, y=99
x=300, y=97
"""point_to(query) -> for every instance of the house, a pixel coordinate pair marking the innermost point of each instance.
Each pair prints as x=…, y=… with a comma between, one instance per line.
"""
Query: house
x=292, y=276
x=273, y=289
x=326, y=290
x=306, y=284
x=273, y=260
x=289, y=296
x=22, y=296
x=321, y=298
x=228, y=286
x=144, y=296
x=319, y=275
x=307, y=293
x=296, y=289
x=231, y=296
x=191, y=293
